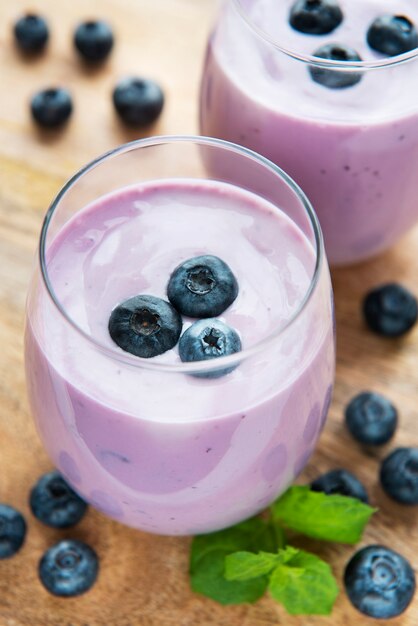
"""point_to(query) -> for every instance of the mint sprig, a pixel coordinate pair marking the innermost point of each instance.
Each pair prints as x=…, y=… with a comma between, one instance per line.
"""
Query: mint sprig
x=299, y=580
x=239, y=564
x=315, y=514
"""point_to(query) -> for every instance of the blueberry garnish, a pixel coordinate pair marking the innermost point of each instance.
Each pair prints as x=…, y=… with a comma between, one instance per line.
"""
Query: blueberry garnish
x=315, y=17
x=54, y=503
x=390, y=310
x=145, y=326
x=69, y=568
x=333, y=78
x=202, y=287
x=399, y=475
x=51, y=107
x=340, y=482
x=392, y=35
x=31, y=33
x=371, y=418
x=12, y=531
x=379, y=582
x=209, y=339
x=94, y=40
x=138, y=101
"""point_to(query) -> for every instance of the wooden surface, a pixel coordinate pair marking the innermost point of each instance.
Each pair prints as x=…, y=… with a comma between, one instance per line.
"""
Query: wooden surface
x=143, y=579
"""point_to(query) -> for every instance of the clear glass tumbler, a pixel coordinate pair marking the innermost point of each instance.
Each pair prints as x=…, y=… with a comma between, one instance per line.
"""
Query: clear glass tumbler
x=346, y=131
x=147, y=441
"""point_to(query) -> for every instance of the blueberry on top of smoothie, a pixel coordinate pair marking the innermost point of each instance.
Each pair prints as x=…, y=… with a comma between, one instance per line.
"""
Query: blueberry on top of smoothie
x=399, y=475
x=203, y=286
x=392, y=35
x=390, y=310
x=209, y=339
x=332, y=78
x=138, y=101
x=69, y=568
x=145, y=326
x=315, y=17
x=51, y=107
x=54, y=503
x=12, y=531
x=342, y=482
x=379, y=582
x=31, y=33
x=371, y=418
x=94, y=40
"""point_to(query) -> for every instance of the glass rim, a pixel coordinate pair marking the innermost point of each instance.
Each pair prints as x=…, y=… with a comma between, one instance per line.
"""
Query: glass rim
x=341, y=66
x=197, y=366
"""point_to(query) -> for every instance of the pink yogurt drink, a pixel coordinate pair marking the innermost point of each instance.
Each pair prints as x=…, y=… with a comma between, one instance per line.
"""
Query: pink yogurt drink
x=145, y=440
x=353, y=150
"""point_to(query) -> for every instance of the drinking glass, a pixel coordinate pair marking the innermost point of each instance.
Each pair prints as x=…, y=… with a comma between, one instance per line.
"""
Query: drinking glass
x=353, y=150
x=149, y=443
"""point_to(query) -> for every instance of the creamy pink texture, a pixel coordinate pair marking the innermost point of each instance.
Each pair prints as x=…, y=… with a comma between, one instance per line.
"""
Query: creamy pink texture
x=164, y=451
x=354, y=151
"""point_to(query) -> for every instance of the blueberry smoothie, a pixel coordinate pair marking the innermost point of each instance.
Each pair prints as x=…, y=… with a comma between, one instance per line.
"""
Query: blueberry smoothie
x=158, y=448
x=349, y=139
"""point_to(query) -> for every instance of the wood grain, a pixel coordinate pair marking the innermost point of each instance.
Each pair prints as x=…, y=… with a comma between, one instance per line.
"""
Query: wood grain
x=143, y=579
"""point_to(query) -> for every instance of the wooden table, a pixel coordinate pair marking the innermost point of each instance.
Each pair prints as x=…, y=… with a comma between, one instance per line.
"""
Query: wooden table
x=143, y=580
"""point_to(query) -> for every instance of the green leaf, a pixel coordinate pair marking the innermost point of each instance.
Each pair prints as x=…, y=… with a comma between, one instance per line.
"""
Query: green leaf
x=247, y=565
x=327, y=517
x=207, y=560
x=304, y=585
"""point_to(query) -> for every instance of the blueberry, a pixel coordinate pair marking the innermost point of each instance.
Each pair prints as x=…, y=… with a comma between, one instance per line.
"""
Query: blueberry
x=69, y=568
x=390, y=310
x=31, y=33
x=315, y=17
x=392, y=35
x=138, y=101
x=209, y=339
x=94, y=40
x=379, y=582
x=399, y=475
x=145, y=326
x=332, y=78
x=371, y=418
x=12, y=531
x=54, y=503
x=340, y=482
x=51, y=107
x=202, y=287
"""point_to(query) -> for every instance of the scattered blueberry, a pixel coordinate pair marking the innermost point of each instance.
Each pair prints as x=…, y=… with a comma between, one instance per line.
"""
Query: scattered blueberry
x=54, y=503
x=340, y=482
x=392, y=35
x=315, y=17
x=371, y=418
x=51, y=107
x=209, y=339
x=12, y=531
x=379, y=582
x=399, y=475
x=202, y=287
x=31, y=33
x=138, y=101
x=69, y=568
x=94, y=40
x=145, y=326
x=390, y=310
x=332, y=78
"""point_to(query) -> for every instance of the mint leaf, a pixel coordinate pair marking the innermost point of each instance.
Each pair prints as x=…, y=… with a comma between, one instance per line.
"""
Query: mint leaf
x=247, y=565
x=304, y=585
x=315, y=514
x=207, y=560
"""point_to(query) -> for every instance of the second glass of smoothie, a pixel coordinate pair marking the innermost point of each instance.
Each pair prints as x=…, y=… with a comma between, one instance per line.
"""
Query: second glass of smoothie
x=345, y=130
x=159, y=443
